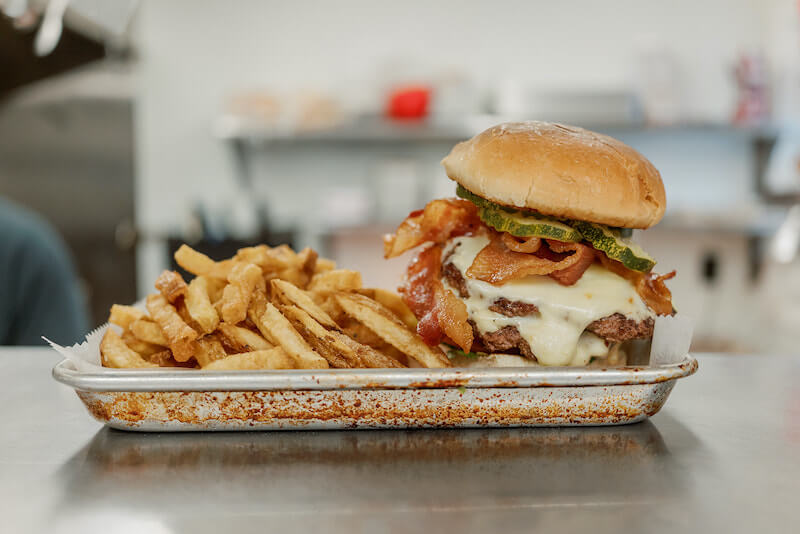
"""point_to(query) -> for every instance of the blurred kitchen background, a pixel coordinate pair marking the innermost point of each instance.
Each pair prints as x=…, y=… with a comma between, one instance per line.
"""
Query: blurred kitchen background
x=132, y=126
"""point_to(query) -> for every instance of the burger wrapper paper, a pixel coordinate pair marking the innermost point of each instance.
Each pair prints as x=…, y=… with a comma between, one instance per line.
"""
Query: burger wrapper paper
x=85, y=356
x=672, y=337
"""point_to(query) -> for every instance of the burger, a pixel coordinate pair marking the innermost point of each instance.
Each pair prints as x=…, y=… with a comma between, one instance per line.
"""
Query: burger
x=534, y=262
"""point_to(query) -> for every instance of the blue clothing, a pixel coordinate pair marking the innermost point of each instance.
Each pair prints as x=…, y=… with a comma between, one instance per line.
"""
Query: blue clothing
x=39, y=294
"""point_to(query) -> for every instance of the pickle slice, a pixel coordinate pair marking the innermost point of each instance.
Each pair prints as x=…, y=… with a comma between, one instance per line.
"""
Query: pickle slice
x=611, y=241
x=522, y=225
x=519, y=223
x=481, y=202
x=615, y=246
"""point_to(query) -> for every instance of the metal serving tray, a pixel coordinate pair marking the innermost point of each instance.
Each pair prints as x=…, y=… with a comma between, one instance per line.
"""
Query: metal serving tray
x=187, y=400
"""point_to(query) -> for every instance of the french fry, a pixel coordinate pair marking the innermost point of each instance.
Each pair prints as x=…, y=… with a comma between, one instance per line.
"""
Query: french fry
x=293, y=276
x=328, y=304
x=371, y=357
x=164, y=358
x=144, y=348
x=279, y=262
x=393, y=302
x=337, y=353
x=198, y=304
x=199, y=264
x=209, y=349
x=238, y=339
x=307, y=259
x=391, y=352
x=161, y=358
x=243, y=278
x=285, y=254
x=193, y=261
x=250, y=325
x=360, y=332
x=115, y=353
x=179, y=335
x=171, y=285
x=384, y=323
x=268, y=259
x=215, y=288
x=336, y=280
x=323, y=265
x=124, y=315
x=258, y=305
x=340, y=350
x=183, y=313
x=283, y=333
x=257, y=254
x=274, y=358
x=288, y=293
x=363, y=335
x=149, y=332
x=309, y=316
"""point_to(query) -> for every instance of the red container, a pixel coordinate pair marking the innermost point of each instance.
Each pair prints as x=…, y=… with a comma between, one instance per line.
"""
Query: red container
x=408, y=102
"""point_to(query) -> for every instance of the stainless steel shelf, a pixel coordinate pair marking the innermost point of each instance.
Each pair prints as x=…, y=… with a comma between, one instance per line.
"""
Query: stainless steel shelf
x=378, y=129
x=359, y=130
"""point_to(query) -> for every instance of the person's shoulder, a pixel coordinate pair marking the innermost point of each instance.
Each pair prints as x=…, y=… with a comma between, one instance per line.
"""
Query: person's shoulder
x=23, y=231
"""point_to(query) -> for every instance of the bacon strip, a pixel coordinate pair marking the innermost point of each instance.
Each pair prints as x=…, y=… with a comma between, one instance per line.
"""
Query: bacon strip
x=655, y=293
x=528, y=245
x=429, y=329
x=584, y=256
x=442, y=315
x=497, y=264
x=439, y=221
x=419, y=283
x=562, y=247
x=453, y=317
x=650, y=286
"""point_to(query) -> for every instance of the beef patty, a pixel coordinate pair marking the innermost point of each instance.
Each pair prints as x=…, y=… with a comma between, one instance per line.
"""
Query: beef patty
x=454, y=278
x=617, y=328
x=513, y=308
x=507, y=340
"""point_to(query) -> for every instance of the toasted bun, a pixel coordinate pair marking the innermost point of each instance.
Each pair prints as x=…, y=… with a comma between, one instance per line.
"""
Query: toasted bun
x=561, y=171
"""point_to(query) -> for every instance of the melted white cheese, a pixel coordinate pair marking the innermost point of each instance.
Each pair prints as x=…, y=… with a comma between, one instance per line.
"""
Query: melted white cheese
x=556, y=334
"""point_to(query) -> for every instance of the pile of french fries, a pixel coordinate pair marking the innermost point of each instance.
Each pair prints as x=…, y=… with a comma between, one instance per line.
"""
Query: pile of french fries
x=265, y=308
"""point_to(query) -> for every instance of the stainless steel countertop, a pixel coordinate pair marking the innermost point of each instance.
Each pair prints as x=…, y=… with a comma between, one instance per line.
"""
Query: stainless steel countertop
x=723, y=454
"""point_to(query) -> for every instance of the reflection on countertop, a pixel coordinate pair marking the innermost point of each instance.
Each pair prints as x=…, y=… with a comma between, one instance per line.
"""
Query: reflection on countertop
x=330, y=474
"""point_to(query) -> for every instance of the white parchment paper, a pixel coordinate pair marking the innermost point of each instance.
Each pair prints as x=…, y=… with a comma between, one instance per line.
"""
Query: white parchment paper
x=85, y=356
x=672, y=337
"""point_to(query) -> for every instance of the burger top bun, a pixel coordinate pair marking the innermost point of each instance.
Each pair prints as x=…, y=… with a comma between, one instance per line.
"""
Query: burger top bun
x=562, y=171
